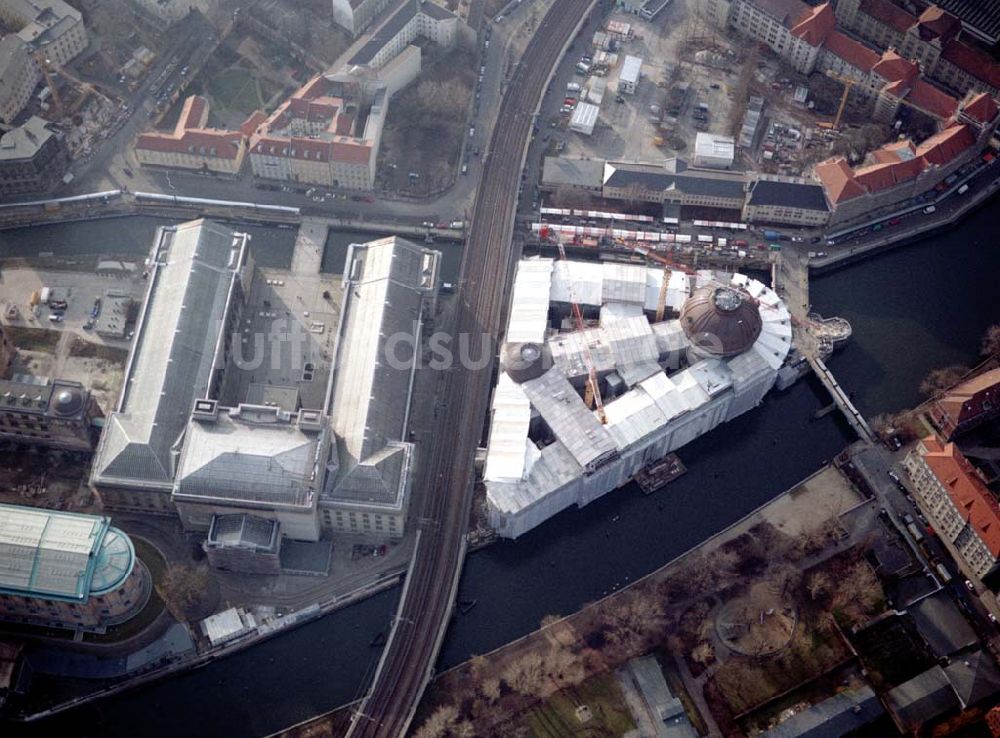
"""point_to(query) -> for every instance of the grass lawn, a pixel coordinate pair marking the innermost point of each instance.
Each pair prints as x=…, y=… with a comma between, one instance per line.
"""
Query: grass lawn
x=556, y=717
x=88, y=350
x=235, y=89
x=746, y=682
x=32, y=339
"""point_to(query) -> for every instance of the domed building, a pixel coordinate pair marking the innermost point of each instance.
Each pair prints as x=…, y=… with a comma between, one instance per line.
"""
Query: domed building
x=662, y=383
x=719, y=321
x=66, y=570
x=60, y=414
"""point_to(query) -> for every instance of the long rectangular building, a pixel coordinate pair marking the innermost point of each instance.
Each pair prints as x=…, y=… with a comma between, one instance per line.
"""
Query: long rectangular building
x=198, y=275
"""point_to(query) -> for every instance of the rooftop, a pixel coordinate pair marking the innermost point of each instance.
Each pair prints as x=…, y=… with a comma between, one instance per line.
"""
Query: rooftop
x=59, y=555
x=573, y=172
x=395, y=23
x=789, y=194
x=24, y=141
x=190, y=136
x=851, y=51
x=385, y=283
x=179, y=338
x=967, y=490
x=57, y=399
x=922, y=699
x=889, y=14
x=680, y=177
x=832, y=718
x=253, y=455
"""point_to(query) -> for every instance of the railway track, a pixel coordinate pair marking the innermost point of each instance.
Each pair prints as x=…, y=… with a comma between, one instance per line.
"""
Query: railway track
x=447, y=468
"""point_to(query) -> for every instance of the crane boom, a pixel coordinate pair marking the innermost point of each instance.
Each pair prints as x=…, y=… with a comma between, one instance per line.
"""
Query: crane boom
x=593, y=388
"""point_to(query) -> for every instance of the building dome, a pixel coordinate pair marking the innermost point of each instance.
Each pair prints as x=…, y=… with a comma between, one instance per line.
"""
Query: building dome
x=524, y=361
x=68, y=401
x=720, y=321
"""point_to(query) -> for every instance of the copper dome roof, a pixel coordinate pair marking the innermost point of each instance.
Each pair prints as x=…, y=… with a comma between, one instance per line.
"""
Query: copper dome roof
x=524, y=361
x=720, y=321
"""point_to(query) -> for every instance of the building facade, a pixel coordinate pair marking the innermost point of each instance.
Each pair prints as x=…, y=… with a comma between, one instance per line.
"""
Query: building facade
x=354, y=16
x=60, y=414
x=199, y=274
x=7, y=353
x=956, y=501
x=51, y=27
x=65, y=570
x=19, y=77
x=192, y=145
x=967, y=405
x=33, y=159
x=674, y=182
x=786, y=200
x=933, y=39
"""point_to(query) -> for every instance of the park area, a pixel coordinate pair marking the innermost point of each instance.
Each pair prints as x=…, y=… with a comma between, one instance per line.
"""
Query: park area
x=749, y=618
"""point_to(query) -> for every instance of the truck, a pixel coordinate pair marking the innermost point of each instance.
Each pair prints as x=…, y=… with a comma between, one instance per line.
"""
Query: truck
x=457, y=224
x=572, y=87
x=943, y=573
x=774, y=236
x=45, y=295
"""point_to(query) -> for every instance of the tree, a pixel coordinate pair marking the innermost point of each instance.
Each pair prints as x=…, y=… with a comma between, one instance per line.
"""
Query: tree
x=549, y=620
x=439, y=723
x=941, y=379
x=703, y=654
x=524, y=674
x=991, y=341
x=489, y=688
x=182, y=588
x=819, y=584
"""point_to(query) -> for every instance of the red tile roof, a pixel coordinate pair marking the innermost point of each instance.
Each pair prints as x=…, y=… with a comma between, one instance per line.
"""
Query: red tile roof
x=891, y=153
x=931, y=100
x=854, y=53
x=887, y=13
x=966, y=489
x=893, y=68
x=251, y=124
x=973, y=61
x=838, y=180
x=882, y=176
x=352, y=152
x=981, y=107
x=944, y=146
x=190, y=137
x=937, y=22
x=815, y=24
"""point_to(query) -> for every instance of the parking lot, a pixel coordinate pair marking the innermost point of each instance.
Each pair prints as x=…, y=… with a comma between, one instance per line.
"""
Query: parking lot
x=637, y=127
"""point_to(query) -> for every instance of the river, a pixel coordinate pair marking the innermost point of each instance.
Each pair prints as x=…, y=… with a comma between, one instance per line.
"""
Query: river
x=912, y=309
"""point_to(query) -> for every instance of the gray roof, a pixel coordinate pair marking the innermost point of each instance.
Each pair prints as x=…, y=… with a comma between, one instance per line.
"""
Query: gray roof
x=385, y=282
x=573, y=172
x=975, y=678
x=941, y=624
x=59, y=399
x=179, y=335
x=925, y=697
x=242, y=530
x=13, y=58
x=252, y=455
x=831, y=718
x=394, y=24
x=24, y=141
x=788, y=194
x=686, y=180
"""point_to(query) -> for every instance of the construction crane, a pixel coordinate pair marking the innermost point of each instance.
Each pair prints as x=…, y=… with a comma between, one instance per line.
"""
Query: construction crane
x=592, y=394
x=669, y=265
x=848, y=86
x=44, y=65
x=49, y=68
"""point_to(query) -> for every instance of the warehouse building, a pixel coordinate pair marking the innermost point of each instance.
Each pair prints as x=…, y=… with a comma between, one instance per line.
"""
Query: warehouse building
x=674, y=182
x=628, y=80
x=65, y=570
x=561, y=174
x=664, y=383
x=584, y=118
x=199, y=273
x=713, y=151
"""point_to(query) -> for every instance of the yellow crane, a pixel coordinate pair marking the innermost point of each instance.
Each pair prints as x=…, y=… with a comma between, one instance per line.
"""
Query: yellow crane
x=848, y=83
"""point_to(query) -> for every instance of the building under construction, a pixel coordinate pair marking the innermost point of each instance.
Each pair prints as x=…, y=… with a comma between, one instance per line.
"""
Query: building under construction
x=607, y=367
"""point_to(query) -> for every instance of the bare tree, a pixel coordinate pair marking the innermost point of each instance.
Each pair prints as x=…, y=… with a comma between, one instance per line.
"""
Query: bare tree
x=991, y=341
x=439, y=723
x=489, y=688
x=182, y=588
x=942, y=379
x=524, y=675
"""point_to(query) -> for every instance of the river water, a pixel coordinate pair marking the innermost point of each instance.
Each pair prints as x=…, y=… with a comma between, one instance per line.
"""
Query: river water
x=912, y=309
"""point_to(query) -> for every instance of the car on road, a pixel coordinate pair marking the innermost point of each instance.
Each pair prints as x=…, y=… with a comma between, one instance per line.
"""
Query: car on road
x=472, y=131
x=894, y=477
x=127, y=172
x=465, y=167
x=970, y=586
x=56, y=318
x=96, y=310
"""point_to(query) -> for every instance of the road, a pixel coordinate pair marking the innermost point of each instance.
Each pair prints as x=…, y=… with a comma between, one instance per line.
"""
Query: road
x=446, y=474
